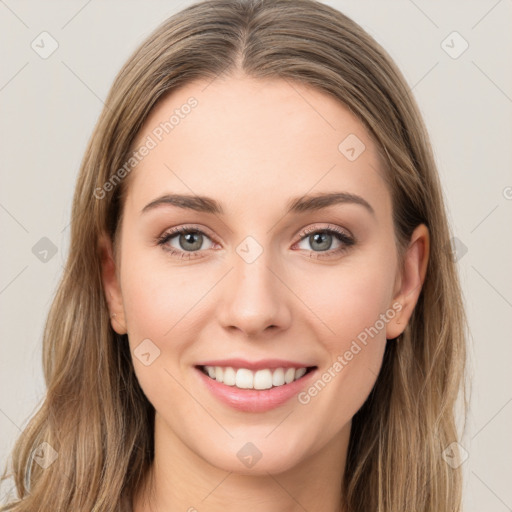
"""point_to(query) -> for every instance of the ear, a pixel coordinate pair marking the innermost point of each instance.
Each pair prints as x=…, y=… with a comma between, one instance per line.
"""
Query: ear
x=111, y=284
x=409, y=281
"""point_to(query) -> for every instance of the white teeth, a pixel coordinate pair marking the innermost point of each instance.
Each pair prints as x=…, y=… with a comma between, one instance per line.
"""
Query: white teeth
x=229, y=376
x=244, y=378
x=247, y=379
x=299, y=373
x=262, y=379
x=278, y=377
x=289, y=375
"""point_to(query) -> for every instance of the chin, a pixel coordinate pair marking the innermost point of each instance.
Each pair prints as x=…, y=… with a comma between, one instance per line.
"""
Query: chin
x=256, y=458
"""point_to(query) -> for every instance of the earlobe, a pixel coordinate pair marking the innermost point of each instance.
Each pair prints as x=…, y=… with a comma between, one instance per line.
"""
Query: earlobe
x=410, y=280
x=111, y=286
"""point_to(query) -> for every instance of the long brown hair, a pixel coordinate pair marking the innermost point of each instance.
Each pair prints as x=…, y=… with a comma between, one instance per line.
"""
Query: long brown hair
x=96, y=420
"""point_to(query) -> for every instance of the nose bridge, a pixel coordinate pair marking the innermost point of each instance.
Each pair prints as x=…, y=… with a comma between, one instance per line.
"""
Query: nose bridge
x=253, y=297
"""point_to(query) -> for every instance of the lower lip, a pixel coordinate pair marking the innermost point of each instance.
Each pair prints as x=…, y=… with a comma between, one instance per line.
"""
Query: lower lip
x=252, y=400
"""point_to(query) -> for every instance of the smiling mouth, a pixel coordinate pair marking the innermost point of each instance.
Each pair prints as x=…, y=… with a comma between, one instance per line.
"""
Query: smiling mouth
x=243, y=378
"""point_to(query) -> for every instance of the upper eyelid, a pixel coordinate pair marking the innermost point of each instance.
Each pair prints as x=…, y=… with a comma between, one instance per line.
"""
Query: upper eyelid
x=329, y=227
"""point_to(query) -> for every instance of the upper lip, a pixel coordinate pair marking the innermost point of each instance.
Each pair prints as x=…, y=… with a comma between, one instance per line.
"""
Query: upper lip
x=256, y=365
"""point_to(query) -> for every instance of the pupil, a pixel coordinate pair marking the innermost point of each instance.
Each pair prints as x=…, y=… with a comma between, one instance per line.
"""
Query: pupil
x=326, y=241
x=189, y=238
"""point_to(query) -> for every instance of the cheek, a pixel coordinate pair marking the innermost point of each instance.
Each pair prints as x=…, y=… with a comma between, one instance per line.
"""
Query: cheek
x=152, y=298
x=349, y=298
x=352, y=306
x=157, y=290
x=159, y=307
x=352, y=309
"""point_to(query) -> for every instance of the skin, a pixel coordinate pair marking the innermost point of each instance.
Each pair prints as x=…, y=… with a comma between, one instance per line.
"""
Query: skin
x=252, y=145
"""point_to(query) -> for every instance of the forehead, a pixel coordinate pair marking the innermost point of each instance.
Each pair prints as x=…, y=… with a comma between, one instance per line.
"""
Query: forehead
x=254, y=143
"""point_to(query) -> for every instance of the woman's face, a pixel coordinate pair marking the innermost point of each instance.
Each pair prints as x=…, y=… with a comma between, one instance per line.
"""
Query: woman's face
x=255, y=282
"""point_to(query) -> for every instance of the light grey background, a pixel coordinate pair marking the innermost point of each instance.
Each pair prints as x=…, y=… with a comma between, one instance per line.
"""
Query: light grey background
x=49, y=108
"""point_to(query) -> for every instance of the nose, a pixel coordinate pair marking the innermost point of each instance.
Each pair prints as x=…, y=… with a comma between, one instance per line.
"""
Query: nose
x=254, y=298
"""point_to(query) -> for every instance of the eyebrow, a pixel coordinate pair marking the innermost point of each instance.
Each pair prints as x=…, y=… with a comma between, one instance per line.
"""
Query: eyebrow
x=300, y=204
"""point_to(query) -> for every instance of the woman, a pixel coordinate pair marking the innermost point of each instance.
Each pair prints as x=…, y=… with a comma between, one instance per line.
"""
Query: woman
x=253, y=367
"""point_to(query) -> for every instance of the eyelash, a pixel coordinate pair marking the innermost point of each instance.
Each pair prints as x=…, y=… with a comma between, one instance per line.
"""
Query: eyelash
x=339, y=234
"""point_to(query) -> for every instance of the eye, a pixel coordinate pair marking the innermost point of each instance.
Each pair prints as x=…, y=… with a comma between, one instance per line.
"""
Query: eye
x=321, y=240
x=184, y=241
x=188, y=241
